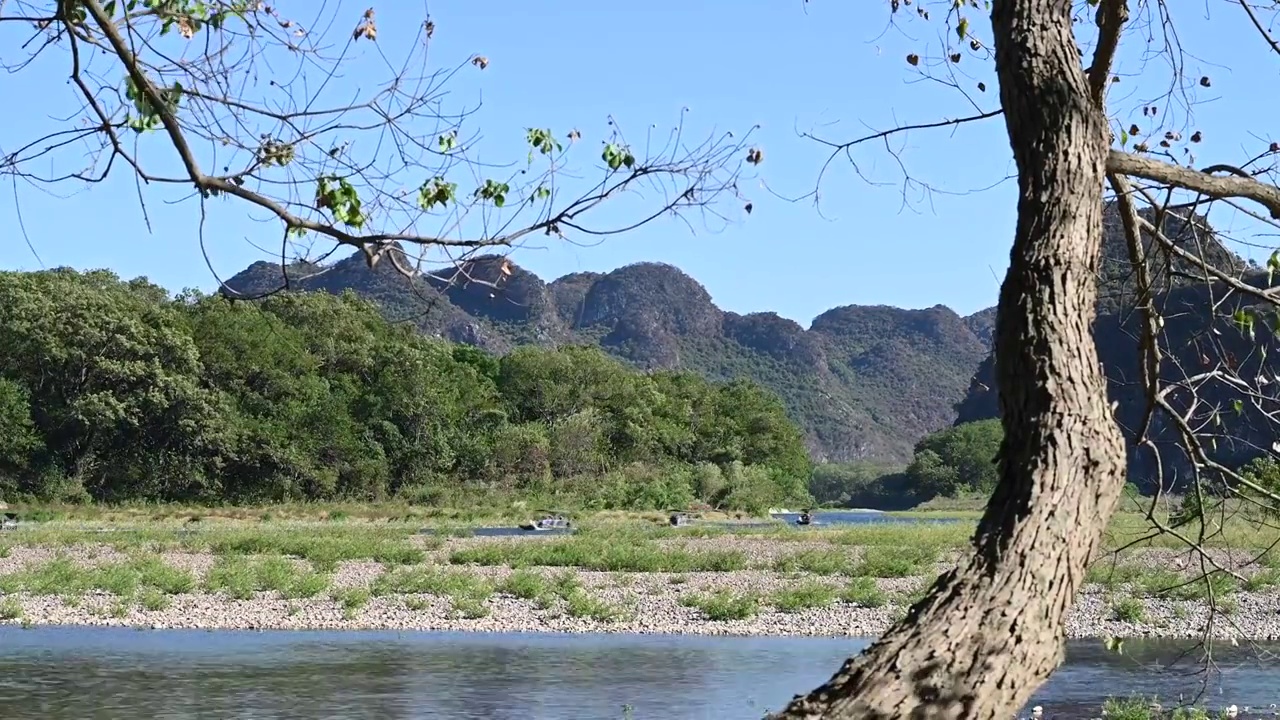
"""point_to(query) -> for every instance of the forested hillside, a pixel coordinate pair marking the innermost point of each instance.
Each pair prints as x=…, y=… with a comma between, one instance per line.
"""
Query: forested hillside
x=862, y=381
x=1220, y=355
x=114, y=391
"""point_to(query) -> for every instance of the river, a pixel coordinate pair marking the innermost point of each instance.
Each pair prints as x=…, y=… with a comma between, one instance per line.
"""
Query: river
x=98, y=673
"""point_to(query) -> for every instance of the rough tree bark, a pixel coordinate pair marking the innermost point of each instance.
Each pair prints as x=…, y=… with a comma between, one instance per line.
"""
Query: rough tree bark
x=992, y=630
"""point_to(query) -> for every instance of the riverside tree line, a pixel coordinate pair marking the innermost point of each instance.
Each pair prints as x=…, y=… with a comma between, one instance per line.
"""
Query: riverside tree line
x=114, y=391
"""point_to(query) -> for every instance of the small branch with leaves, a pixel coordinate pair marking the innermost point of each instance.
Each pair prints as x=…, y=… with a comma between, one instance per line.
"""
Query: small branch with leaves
x=242, y=87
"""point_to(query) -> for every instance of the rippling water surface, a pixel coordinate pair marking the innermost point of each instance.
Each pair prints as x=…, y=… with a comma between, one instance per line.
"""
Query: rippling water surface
x=79, y=674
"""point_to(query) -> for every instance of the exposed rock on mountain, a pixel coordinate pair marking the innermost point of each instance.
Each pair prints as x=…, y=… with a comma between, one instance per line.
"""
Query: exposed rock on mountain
x=1201, y=335
x=862, y=381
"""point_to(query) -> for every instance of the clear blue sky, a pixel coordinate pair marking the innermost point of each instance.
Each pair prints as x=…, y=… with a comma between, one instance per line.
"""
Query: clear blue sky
x=831, y=66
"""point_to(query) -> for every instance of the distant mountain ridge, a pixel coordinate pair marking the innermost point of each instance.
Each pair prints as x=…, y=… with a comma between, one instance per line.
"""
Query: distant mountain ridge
x=864, y=382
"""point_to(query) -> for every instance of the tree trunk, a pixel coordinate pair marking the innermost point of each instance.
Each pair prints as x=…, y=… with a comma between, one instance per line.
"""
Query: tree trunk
x=991, y=631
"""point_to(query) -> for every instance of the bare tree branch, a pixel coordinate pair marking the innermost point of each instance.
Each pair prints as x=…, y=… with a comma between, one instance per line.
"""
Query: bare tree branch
x=1111, y=18
x=1240, y=184
x=253, y=106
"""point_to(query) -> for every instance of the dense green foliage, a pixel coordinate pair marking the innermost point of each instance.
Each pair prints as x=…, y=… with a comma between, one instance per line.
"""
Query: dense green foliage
x=956, y=462
x=862, y=381
x=863, y=484
x=959, y=460
x=113, y=391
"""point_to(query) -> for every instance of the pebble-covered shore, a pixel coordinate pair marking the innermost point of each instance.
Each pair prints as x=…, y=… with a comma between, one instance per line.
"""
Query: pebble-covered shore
x=643, y=602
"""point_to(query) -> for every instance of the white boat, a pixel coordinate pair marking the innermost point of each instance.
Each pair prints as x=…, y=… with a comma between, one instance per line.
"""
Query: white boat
x=550, y=522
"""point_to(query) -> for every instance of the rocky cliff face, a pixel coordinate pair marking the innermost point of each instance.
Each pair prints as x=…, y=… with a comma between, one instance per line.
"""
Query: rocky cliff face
x=862, y=381
x=1200, y=337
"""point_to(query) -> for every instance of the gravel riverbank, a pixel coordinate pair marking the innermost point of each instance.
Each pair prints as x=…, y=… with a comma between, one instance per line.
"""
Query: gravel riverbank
x=96, y=585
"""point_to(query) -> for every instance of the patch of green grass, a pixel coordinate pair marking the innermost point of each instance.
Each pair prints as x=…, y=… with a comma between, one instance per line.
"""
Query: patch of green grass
x=430, y=581
x=324, y=546
x=863, y=591
x=889, y=562
x=1128, y=609
x=803, y=596
x=123, y=539
x=540, y=589
x=153, y=599
x=818, y=562
x=468, y=594
x=240, y=577
x=118, y=609
x=1141, y=708
x=1227, y=605
x=415, y=604
x=154, y=572
x=59, y=576
x=62, y=576
x=306, y=585
x=1111, y=574
x=470, y=608
x=581, y=604
x=1262, y=580
x=927, y=536
x=324, y=550
x=1133, y=708
x=723, y=604
x=1168, y=584
x=593, y=553
x=10, y=609
x=1236, y=525
x=527, y=585
x=351, y=600
x=1157, y=582
x=565, y=583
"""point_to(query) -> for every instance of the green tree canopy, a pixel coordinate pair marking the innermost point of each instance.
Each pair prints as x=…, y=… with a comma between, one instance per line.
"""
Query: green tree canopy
x=112, y=391
x=957, y=460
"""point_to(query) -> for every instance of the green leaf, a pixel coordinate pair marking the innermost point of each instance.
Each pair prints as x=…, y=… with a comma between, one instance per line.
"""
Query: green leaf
x=1244, y=322
x=436, y=191
x=616, y=156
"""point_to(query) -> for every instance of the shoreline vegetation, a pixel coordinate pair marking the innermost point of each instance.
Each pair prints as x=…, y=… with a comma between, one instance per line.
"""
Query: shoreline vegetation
x=375, y=568
x=313, y=397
